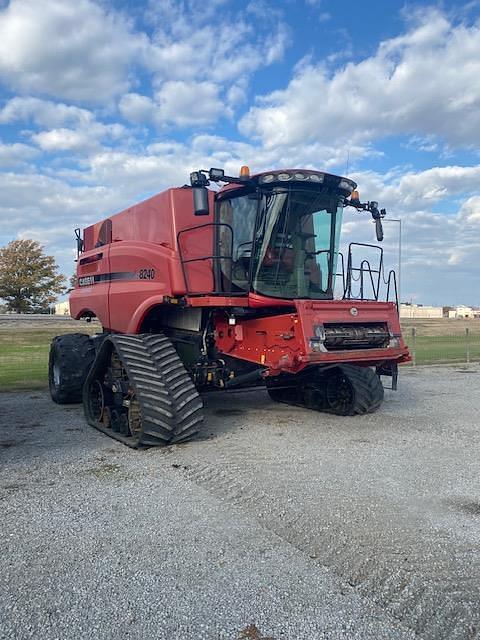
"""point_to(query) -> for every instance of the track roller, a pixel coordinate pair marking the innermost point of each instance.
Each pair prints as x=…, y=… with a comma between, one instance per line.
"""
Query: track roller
x=345, y=390
x=139, y=392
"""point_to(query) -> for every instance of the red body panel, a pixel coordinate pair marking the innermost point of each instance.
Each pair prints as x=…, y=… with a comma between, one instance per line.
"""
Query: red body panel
x=141, y=260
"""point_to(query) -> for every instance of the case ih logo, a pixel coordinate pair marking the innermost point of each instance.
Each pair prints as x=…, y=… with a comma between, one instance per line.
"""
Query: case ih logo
x=144, y=274
x=86, y=281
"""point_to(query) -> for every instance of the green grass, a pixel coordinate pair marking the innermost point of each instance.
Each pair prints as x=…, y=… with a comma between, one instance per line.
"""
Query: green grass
x=24, y=352
x=24, y=356
x=444, y=349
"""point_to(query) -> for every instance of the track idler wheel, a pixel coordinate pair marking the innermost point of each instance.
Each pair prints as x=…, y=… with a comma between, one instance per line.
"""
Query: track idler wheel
x=351, y=390
x=345, y=390
x=139, y=392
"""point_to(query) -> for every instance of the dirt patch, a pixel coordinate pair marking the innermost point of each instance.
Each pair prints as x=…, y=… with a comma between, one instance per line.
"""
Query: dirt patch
x=470, y=507
x=229, y=412
x=27, y=425
x=251, y=632
x=7, y=444
x=104, y=470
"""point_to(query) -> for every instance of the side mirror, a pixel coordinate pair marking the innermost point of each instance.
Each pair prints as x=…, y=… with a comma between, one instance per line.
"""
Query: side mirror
x=377, y=216
x=200, y=201
x=79, y=241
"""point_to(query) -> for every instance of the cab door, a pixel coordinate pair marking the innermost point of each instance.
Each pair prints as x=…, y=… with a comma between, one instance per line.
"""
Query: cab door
x=236, y=228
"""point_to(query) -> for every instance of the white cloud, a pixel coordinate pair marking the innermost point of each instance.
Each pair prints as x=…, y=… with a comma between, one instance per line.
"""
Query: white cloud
x=81, y=140
x=136, y=108
x=199, y=42
x=181, y=103
x=88, y=52
x=188, y=103
x=422, y=190
x=32, y=198
x=438, y=183
x=44, y=113
x=426, y=82
x=63, y=140
x=16, y=154
x=440, y=250
x=84, y=132
x=201, y=58
x=92, y=50
x=470, y=213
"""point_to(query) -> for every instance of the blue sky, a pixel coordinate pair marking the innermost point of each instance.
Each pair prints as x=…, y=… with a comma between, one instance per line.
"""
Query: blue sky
x=103, y=103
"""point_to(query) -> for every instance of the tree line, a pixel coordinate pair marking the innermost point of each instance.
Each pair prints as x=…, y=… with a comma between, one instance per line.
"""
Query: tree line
x=29, y=279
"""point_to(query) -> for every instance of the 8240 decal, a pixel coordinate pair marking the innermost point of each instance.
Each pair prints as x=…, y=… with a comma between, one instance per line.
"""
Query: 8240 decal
x=146, y=274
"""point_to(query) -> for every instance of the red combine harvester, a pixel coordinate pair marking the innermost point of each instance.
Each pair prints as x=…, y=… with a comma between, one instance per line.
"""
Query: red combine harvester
x=244, y=298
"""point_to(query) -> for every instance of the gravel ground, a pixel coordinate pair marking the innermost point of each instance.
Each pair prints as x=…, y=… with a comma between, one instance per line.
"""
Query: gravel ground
x=276, y=522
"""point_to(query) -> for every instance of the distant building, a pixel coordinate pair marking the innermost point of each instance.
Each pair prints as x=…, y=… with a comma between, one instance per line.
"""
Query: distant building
x=62, y=308
x=420, y=311
x=461, y=312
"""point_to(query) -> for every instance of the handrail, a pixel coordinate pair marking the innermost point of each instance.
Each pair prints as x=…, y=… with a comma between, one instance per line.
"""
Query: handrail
x=366, y=268
x=214, y=257
x=392, y=276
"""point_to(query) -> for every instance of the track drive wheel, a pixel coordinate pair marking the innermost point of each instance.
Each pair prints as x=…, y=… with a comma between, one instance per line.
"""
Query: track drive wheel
x=70, y=359
x=352, y=390
x=345, y=390
x=139, y=392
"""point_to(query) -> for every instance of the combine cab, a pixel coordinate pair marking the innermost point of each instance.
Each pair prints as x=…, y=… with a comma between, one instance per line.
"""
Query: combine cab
x=241, y=296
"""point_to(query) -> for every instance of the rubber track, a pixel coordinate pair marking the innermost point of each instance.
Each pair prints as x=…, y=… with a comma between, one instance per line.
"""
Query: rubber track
x=367, y=386
x=171, y=408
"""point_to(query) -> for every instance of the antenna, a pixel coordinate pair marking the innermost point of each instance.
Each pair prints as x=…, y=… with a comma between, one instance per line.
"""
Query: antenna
x=348, y=162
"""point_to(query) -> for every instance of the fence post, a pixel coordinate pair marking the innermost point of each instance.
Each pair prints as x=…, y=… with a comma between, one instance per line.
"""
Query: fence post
x=414, y=355
x=467, y=341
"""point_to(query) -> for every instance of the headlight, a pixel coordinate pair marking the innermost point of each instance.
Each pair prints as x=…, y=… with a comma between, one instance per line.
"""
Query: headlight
x=319, y=331
x=216, y=174
x=268, y=178
x=316, y=177
x=347, y=185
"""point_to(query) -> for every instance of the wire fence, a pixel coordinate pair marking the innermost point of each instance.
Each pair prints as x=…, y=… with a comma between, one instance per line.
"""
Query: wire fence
x=459, y=346
x=24, y=352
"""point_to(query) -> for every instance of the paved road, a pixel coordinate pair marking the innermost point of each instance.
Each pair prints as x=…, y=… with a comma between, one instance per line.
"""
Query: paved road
x=277, y=522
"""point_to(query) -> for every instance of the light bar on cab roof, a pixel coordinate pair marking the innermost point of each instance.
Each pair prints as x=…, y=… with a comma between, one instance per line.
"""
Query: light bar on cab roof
x=285, y=176
x=307, y=176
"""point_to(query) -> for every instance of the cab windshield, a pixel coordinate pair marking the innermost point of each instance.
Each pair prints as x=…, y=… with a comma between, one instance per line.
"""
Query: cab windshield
x=285, y=242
